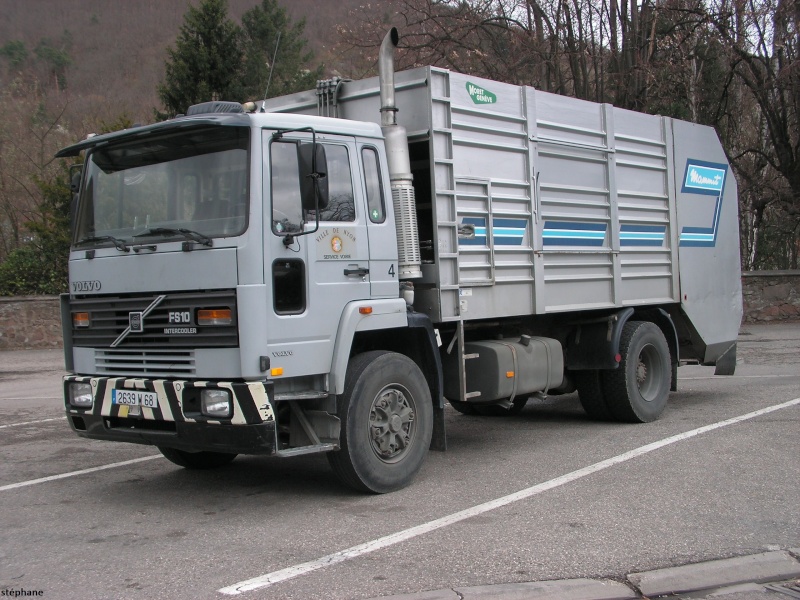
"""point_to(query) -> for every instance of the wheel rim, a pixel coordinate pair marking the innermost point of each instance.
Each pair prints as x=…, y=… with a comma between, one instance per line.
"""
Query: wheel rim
x=392, y=423
x=649, y=373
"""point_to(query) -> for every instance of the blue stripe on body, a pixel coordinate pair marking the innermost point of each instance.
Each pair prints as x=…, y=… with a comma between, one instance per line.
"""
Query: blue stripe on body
x=569, y=233
x=642, y=235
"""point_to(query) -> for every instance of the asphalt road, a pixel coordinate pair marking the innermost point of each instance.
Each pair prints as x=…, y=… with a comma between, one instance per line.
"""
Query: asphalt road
x=599, y=500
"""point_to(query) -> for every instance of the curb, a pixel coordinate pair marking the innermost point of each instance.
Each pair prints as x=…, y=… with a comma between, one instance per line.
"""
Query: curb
x=725, y=576
x=756, y=568
x=565, y=589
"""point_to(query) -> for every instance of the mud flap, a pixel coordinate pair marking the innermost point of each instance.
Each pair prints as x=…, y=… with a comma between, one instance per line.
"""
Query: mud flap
x=439, y=438
x=726, y=364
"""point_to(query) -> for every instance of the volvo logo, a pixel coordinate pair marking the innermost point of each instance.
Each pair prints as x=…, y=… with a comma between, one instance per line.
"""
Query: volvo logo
x=136, y=322
x=86, y=286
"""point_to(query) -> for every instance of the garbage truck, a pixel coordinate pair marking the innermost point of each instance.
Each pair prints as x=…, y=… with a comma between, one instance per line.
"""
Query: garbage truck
x=326, y=271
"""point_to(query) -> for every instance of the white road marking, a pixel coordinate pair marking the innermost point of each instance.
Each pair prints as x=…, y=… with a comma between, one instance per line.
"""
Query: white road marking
x=740, y=377
x=13, y=486
x=401, y=536
x=35, y=398
x=32, y=422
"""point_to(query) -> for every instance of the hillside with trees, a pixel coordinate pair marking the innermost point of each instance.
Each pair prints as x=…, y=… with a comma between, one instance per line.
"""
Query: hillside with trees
x=68, y=67
x=71, y=67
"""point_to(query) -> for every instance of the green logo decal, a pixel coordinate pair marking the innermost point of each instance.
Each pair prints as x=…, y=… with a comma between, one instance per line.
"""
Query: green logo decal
x=480, y=95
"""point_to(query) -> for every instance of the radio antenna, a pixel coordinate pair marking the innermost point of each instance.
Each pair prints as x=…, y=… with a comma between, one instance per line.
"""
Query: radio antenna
x=271, y=68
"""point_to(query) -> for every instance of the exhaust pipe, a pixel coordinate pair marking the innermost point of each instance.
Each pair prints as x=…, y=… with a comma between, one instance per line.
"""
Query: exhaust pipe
x=403, y=199
x=386, y=74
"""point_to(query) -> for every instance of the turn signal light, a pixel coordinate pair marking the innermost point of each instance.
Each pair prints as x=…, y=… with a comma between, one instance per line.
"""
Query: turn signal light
x=80, y=319
x=365, y=310
x=214, y=316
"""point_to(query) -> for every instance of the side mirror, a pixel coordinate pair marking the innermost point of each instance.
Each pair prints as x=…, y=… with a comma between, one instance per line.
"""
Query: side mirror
x=313, y=175
x=76, y=173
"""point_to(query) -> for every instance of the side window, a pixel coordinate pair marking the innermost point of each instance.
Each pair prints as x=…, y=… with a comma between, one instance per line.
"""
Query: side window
x=289, y=286
x=284, y=173
x=341, y=205
x=372, y=178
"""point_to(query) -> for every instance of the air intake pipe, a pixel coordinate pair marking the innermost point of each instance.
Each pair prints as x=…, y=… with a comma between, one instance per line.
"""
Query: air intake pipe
x=405, y=207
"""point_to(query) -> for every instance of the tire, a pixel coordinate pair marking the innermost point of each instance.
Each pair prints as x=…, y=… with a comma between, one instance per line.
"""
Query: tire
x=386, y=415
x=637, y=391
x=465, y=408
x=497, y=410
x=197, y=460
x=590, y=393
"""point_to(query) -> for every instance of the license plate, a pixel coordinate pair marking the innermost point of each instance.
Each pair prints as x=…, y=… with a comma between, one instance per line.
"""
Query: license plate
x=135, y=398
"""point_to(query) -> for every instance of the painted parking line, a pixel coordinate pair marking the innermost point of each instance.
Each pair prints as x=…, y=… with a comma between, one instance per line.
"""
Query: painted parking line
x=14, y=486
x=718, y=377
x=34, y=398
x=263, y=581
x=33, y=422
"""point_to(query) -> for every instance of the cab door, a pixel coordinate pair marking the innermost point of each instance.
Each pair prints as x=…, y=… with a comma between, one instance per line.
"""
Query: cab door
x=380, y=222
x=316, y=272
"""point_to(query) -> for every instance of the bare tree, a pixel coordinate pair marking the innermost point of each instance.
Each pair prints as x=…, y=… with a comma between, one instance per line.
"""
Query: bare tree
x=30, y=133
x=761, y=39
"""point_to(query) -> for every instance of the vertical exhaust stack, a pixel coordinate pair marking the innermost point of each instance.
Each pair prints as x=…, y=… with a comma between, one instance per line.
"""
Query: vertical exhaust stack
x=403, y=199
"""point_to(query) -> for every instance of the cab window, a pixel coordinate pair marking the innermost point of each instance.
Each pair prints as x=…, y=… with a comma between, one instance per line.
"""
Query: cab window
x=372, y=178
x=341, y=203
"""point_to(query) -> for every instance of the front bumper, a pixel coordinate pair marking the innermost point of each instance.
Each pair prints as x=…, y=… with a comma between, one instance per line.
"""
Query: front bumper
x=176, y=422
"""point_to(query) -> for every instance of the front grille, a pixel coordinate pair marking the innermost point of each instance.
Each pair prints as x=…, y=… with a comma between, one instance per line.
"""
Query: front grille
x=145, y=363
x=109, y=318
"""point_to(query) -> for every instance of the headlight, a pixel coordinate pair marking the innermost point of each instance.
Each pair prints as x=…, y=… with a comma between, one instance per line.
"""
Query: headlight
x=215, y=403
x=80, y=395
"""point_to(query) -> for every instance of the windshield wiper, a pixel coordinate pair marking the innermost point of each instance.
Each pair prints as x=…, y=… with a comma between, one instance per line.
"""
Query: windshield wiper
x=118, y=244
x=186, y=233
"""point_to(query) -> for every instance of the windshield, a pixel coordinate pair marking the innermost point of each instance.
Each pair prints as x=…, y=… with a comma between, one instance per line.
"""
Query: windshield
x=195, y=180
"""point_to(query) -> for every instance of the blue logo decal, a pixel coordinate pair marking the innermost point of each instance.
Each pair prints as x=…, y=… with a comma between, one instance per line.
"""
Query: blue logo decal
x=701, y=179
x=706, y=179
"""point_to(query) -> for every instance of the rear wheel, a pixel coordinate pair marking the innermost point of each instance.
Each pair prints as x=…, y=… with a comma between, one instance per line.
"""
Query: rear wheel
x=637, y=391
x=498, y=410
x=197, y=460
x=386, y=416
x=465, y=408
x=590, y=393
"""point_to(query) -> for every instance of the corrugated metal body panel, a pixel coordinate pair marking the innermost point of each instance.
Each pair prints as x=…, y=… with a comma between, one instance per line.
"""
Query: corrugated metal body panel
x=646, y=205
x=570, y=210
x=604, y=205
x=539, y=203
x=575, y=211
x=482, y=179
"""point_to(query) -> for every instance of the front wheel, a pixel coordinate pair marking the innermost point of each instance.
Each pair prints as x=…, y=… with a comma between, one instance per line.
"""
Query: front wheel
x=386, y=416
x=197, y=460
x=637, y=391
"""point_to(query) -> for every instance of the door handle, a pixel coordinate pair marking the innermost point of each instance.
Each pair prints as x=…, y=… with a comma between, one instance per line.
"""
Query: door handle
x=358, y=272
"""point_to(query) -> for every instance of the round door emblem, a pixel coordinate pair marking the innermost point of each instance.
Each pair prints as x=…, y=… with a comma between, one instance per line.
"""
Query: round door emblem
x=336, y=244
